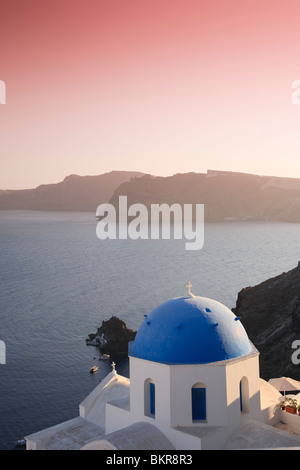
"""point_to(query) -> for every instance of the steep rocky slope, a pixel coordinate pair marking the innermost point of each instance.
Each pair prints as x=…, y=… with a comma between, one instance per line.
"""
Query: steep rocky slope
x=270, y=312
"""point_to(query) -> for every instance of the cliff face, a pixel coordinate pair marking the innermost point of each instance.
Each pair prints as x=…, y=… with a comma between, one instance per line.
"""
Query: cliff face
x=270, y=313
x=226, y=195
x=112, y=337
x=74, y=193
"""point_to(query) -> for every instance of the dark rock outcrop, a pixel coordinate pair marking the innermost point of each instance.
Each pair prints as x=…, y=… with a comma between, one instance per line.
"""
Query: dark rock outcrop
x=270, y=313
x=112, y=337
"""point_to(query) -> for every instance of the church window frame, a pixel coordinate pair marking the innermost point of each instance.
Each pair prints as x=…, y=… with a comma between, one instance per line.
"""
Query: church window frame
x=244, y=395
x=198, y=402
x=149, y=398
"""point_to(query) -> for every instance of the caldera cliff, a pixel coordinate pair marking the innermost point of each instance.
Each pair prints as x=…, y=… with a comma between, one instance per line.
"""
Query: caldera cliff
x=270, y=313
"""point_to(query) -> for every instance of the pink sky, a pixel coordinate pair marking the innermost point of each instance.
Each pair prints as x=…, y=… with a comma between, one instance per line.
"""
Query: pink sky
x=159, y=86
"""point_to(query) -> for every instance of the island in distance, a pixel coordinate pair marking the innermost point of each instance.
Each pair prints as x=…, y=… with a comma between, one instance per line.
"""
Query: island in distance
x=226, y=195
x=74, y=193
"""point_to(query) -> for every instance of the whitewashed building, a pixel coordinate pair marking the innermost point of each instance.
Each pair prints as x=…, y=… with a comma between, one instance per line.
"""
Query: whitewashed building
x=194, y=384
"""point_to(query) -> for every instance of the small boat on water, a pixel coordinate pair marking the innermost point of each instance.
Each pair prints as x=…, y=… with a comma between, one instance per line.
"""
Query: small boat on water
x=105, y=357
x=94, y=369
x=21, y=442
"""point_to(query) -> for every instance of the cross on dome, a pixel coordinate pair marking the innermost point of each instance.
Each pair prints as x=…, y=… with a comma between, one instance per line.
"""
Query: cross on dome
x=188, y=286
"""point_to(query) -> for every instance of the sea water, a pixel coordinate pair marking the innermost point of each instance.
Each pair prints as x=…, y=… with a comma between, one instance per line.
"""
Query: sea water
x=58, y=282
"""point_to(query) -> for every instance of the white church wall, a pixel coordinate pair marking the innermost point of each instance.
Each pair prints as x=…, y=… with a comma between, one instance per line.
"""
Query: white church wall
x=141, y=370
x=173, y=398
x=184, y=441
x=246, y=370
x=292, y=420
x=88, y=403
x=271, y=415
x=183, y=378
x=173, y=391
x=116, y=418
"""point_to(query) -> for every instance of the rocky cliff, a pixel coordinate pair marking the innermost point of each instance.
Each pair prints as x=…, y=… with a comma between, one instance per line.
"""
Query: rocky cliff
x=112, y=337
x=226, y=195
x=270, y=313
x=74, y=193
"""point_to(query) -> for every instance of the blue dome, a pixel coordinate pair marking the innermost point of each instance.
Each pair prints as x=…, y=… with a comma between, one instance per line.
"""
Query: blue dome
x=190, y=330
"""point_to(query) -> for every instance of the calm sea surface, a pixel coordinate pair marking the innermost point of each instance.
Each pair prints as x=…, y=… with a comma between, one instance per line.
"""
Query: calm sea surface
x=58, y=282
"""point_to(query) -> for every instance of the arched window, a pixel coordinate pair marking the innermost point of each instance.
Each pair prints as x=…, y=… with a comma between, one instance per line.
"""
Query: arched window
x=244, y=395
x=149, y=398
x=199, y=402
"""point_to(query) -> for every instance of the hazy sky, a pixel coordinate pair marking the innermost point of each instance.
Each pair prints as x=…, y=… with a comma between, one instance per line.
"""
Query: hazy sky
x=159, y=86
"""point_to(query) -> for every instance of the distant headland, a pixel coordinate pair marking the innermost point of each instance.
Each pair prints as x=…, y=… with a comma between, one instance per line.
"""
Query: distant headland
x=227, y=196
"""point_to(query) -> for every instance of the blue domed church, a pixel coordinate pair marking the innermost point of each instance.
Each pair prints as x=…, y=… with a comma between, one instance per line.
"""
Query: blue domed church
x=192, y=370
x=194, y=384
